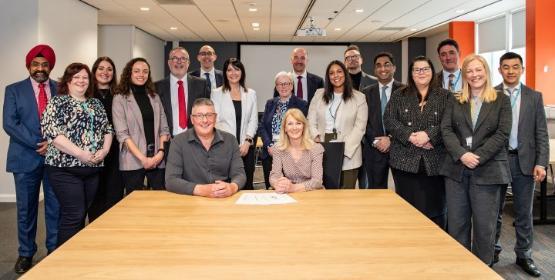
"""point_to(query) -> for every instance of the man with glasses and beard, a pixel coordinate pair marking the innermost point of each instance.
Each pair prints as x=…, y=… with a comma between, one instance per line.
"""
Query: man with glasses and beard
x=205, y=161
x=24, y=103
x=178, y=91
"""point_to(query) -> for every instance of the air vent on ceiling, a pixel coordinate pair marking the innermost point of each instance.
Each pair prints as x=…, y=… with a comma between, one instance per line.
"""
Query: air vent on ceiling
x=385, y=28
x=176, y=2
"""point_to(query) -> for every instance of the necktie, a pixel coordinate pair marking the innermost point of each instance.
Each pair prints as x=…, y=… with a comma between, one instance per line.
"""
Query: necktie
x=182, y=105
x=207, y=75
x=383, y=102
x=451, y=84
x=300, y=87
x=42, y=99
x=513, y=137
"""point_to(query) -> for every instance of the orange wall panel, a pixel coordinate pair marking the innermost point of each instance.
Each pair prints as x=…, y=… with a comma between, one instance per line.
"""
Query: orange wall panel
x=463, y=33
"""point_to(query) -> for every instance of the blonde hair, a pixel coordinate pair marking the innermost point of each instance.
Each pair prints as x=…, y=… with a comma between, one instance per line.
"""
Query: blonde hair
x=489, y=94
x=306, y=141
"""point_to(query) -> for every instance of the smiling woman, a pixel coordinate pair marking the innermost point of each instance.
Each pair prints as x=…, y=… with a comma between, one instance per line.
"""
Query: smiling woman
x=79, y=136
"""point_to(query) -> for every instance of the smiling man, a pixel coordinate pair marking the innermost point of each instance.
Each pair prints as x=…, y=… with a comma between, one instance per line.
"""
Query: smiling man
x=24, y=103
x=205, y=161
x=207, y=56
x=376, y=152
x=178, y=91
x=450, y=76
x=528, y=157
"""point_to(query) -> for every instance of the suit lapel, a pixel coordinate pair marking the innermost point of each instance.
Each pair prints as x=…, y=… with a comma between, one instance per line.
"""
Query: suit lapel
x=135, y=111
x=165, y=97
x=525, y=105
x=484, y=111
x=467, y=113
x=29, y=94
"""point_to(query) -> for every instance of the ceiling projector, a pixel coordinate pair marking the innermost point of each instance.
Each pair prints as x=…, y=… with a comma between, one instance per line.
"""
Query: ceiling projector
x=311, y=30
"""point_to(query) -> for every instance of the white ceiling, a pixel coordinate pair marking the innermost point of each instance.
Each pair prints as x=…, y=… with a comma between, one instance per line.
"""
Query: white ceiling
x=231, y=20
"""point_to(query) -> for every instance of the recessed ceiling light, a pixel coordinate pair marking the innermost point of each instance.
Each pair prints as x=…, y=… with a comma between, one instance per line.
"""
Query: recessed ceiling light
x=459, y=11
x=145, y=9
x=255, y=24
x=413, y=29
x=256, y=29
x=253, y=9
x=359, y=10
x=337, y=29
x=173, y=28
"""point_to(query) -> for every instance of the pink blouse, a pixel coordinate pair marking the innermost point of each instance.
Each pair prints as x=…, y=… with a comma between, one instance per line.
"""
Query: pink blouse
x=307, y=170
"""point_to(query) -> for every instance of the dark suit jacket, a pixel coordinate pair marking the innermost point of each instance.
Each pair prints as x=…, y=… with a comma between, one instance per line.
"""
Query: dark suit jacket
x=533, y=140
x=374, y=126
x=366, y=80
x=196, y=88
x=403, y=117
x=490, y=140
x=218, y=73
x=265, y=129
x=313, y=82
x=22, y=124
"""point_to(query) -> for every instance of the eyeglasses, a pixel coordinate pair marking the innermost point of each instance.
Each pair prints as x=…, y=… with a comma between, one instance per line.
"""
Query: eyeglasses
x=421, y=70
x=208, y=116
x=385, y=65
x=176, y=59
x=37, y=64
x=205, y=53
x=352, y=57
x=283, y=84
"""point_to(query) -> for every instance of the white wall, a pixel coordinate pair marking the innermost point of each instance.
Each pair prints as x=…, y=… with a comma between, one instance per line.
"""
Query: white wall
x=124, y=42
x=431, y=48
x=152, y=49
x=26, y=23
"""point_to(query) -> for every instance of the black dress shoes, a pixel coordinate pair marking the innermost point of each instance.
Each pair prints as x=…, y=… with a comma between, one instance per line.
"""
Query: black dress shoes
x=23, y=264
x=528, y=266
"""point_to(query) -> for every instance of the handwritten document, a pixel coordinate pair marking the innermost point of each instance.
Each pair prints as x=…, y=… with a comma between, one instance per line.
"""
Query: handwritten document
x=264, y=199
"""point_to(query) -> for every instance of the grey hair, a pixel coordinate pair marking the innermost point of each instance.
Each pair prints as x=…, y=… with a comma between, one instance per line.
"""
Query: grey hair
x=202, y=102
x=283, y=74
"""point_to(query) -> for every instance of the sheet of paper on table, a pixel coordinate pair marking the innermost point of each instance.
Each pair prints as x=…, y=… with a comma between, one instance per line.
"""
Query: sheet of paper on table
x=264, y=199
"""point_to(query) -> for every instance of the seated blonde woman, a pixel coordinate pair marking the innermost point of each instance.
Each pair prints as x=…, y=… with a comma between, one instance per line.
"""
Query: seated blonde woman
x=297, y=159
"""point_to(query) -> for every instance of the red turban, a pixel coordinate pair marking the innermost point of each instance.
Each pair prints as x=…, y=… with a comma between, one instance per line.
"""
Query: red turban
x=41, y=50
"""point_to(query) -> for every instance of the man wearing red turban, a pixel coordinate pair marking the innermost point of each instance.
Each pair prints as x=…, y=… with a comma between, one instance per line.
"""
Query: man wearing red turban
x=24, y=102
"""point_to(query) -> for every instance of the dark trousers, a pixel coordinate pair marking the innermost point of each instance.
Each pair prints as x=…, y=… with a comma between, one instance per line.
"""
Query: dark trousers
x=425, y=193
x=377, y=170
x=27, y=189
x=472, y=214
x=248, y=162
x=363, y=179
x=110, y=187
x=266, y=168
x=135, y=179
x=523, y=201
x=75, y=188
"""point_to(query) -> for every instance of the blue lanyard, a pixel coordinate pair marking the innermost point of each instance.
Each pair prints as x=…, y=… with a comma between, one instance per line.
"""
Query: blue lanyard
x=454, y=82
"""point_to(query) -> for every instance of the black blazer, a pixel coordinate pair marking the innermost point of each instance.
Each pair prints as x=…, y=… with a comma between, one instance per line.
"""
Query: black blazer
x=313, y=82
x=218, y=73
x=265, y=129
x=366, y=80
x=196, y=88
x=533, y=140
x=374, y=127
x=403, y=117
x=490, y=140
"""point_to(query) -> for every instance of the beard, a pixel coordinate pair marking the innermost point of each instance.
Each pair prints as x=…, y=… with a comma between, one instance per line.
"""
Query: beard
x=40, y=76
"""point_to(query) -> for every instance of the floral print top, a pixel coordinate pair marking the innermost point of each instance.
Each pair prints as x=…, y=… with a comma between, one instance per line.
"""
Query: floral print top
x=84, y=123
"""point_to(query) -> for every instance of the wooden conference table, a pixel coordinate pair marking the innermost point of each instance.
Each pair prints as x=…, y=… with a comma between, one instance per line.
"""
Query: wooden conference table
x=332, y=234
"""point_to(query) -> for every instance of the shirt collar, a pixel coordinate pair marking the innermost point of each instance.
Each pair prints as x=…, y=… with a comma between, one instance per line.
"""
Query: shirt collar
x=296, y=75
x=35, y=84
x=446, y=73
x=192, y=137
x=506, y=87
x=174, y=79
x=211, y=72
x=389, y=85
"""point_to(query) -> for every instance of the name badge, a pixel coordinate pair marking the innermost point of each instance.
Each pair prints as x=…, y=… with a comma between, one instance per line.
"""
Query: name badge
x=469, y=142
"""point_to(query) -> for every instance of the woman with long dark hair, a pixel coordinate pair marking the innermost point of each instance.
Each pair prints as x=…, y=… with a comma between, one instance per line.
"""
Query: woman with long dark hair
x=412, y=118
x=141, y=128
x=235, y=105
x=110, y=185
x=339, y=113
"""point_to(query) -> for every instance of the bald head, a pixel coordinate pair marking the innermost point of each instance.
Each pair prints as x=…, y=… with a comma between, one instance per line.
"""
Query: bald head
x=299, y=57
x=206, y=56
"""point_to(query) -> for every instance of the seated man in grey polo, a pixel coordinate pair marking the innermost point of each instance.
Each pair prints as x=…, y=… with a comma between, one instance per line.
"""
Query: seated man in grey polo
x=204, y=161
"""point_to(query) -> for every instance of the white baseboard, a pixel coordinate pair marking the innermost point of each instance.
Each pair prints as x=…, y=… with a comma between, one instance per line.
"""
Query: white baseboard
x=11, y=197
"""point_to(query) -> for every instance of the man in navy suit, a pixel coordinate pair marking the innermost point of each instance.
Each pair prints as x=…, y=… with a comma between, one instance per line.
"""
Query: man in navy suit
x=528, y=157
x=376, y=152
x=24, y=103
x=214, y=77
x=304, y=82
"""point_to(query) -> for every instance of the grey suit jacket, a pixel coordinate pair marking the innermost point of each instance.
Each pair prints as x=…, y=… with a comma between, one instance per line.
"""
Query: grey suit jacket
x=533, y=140
x=196, y=88
x=128, y=123
x=366, y=80
x=490, y=140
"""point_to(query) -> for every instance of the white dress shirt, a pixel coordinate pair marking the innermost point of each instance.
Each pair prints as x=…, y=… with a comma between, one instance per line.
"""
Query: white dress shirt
x=175, y=103
x=212, y=74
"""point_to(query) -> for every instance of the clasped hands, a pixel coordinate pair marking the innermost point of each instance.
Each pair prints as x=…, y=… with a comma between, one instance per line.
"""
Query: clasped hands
x=284, y=185
x=421, y=140
x=92, y=159
x=218, y=189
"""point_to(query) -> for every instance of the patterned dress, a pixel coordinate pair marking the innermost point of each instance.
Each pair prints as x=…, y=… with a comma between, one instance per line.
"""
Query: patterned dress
x=84, y=123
